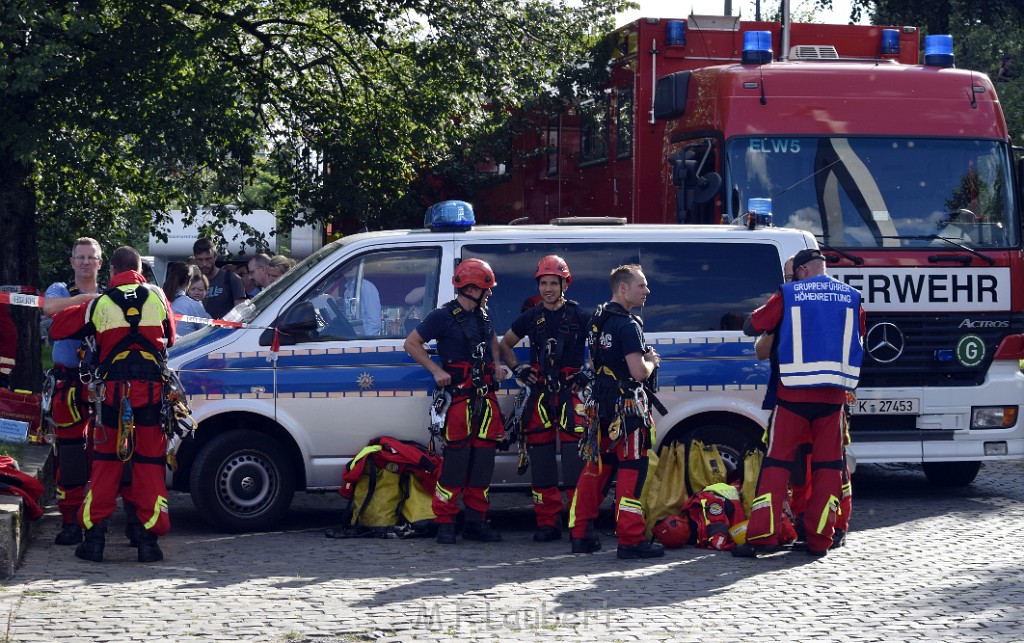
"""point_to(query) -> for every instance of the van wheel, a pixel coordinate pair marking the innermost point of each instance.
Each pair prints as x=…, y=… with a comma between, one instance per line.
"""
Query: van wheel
x=951, y=474
x=242, y=482
x=732, y=443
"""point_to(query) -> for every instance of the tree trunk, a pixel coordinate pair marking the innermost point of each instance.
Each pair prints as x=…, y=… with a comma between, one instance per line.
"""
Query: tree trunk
x=19, y=263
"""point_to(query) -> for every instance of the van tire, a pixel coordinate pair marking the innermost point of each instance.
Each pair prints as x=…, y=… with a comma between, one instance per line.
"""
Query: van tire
x=241, y=481
x=951, y=474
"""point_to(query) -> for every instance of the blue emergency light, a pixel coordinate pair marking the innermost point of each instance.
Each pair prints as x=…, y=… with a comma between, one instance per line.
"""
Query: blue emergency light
x=757, y=47
x=676, y=36
x=890, y=42
x=938, y=51
x=449, y=214
x=760, y=211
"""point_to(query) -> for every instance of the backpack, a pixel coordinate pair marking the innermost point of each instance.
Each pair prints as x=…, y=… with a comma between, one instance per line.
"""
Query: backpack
x=668, y=485
x=713, y=511
x=389, y=486
x=705, y=465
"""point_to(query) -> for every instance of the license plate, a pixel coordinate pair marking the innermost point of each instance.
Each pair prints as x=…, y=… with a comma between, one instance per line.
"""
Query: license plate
x=906, y=406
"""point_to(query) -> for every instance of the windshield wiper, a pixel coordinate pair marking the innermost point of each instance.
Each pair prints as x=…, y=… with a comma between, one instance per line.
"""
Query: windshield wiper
x=857, y=261
x=952, y=242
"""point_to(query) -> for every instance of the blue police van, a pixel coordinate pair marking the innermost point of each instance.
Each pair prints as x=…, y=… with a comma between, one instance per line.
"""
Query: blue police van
x=271, y=423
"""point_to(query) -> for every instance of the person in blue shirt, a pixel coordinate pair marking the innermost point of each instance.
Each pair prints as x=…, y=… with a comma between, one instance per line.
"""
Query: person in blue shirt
x=179, y=275
x=70, y=411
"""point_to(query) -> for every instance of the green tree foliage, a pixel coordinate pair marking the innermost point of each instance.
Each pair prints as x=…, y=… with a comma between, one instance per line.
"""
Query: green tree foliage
x=114, y=111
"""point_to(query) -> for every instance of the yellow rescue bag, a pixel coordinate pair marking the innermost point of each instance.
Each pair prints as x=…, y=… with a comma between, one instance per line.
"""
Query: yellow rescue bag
x=667, y=493
x=706, y=466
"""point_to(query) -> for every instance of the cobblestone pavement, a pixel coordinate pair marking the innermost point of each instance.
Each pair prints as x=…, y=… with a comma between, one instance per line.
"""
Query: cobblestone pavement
x=920, y=564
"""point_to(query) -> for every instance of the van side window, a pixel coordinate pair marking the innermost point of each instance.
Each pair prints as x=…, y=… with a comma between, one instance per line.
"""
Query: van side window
x=694, y=286
x=378, y=294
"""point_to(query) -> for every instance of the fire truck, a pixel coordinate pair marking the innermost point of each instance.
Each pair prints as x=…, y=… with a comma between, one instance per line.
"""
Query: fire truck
x=903, y=171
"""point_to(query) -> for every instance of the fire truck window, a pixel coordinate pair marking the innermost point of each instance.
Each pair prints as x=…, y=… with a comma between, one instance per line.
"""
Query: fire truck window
x=593, y=132
x=694, y=286
x=624, y=123
x=378, y=294
x=552, y=147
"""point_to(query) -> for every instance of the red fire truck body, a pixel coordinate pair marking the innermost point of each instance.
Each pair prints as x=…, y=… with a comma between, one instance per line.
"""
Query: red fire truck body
x=606, y=158
x=903, y=171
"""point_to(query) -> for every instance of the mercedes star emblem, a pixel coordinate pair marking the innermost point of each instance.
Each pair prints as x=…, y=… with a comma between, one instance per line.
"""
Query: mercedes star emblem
x=884, y=342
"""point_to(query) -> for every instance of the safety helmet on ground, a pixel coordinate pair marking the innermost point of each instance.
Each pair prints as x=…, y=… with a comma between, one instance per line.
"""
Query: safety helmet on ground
x=474, y=272
x=739, y=532
x=553, y=265
x=672, y=532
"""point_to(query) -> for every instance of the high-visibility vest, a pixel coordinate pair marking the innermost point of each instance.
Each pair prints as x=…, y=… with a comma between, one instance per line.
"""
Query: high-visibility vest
x=819, y=339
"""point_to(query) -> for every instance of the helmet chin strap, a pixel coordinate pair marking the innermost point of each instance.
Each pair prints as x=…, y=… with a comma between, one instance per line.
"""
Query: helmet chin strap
x=475, y=300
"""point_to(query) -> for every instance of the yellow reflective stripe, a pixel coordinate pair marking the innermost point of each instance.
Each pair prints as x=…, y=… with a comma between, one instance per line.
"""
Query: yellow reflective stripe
x=159, y=506
x=763, y=503
x=630, y=505
x=367, y=450
x=76, y=417
x=572, y=510
x=443, y=494
x=60, y=494
x=87, y=510
x=538, y=498
x=830, y=506
x=485, y=422
x=543, y=412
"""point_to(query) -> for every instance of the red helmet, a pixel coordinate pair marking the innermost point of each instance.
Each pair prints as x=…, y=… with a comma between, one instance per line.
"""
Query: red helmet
x=474, y=272
x=553, y=265
x=672, y=532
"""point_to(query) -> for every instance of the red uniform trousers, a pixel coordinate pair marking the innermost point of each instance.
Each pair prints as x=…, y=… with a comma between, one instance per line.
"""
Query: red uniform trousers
x=148, y=492
x=801, y=492
x=543, y=438
x=468, y=463
x=72, y=417
x=794, y=421
x=628, y=464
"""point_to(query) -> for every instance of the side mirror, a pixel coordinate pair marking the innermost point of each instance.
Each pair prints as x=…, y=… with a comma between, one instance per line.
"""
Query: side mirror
x=296, y=324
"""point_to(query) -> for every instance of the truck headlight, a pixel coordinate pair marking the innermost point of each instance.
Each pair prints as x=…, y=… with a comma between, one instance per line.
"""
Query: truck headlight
x=993, y=417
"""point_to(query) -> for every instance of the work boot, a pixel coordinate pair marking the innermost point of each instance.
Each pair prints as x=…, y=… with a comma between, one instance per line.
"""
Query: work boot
x=446, y=533
x=480, y=531
x=132, y=531
x=92, y=547
x=838, y=539
x=643, y=549
x=149, y=551
x=70, y=534
x=586, y=545
x=547, y=534
x=133, y=528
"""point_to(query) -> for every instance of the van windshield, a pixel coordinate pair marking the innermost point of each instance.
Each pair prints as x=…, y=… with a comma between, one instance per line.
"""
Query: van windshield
x=250, y=308
x=880, y=192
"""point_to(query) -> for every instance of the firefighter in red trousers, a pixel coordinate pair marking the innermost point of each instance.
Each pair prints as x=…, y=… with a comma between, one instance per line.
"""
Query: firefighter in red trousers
x=617, y=443
x=818, y=324
x=133, y=326
x=800, y=482
x=557, y=330
x=470, y=370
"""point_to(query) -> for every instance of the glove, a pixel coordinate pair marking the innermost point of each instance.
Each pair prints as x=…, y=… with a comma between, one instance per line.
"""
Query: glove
x=523, y=372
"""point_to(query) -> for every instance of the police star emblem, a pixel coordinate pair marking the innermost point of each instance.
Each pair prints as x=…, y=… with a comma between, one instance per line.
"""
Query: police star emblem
x=365, y=381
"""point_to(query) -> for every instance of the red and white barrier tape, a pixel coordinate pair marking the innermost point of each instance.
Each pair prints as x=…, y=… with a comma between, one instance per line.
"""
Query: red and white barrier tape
x=18, y=299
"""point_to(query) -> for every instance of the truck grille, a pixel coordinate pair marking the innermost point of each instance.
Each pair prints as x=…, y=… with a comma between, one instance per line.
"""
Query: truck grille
x=922, y=336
